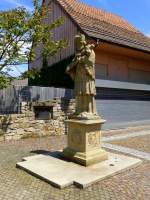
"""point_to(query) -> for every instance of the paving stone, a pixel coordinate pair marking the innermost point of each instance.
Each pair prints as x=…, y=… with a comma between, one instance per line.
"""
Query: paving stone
x=15, y=184
x=125, y=136
x=133, y=142
x=133, y=152
x=51, y=167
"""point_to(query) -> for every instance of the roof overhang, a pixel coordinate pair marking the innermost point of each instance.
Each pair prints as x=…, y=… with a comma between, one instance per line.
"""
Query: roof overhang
x=119, y=41
x=103, y=37
x=121, y=50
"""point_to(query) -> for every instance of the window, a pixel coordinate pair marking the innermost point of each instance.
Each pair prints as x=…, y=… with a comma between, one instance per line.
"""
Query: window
x=139, y=76
x=101, y=71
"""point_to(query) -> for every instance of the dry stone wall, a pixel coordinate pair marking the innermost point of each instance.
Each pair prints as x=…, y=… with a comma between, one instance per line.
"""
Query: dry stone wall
x=17, y=126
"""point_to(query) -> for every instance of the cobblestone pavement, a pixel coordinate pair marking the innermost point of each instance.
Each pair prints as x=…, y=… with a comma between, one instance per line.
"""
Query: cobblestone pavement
x=126, y=136
x=126, y=150
x=132, y=143
x=127, y=130
x=141, y=143
x=15, y=184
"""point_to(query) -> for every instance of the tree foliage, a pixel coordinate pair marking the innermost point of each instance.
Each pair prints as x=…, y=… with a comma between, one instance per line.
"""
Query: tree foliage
x=20, y=33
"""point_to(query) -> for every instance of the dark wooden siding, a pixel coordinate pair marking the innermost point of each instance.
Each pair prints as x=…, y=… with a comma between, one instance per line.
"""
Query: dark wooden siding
x=67, y=31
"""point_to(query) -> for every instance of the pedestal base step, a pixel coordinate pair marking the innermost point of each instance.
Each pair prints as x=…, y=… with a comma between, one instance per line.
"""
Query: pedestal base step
x=62, y=173
x=87, y=158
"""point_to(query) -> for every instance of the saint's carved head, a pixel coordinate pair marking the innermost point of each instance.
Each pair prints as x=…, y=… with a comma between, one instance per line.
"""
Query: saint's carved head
x=80, y=41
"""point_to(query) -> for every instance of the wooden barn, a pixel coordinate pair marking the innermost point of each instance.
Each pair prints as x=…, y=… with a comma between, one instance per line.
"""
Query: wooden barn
x=122, y=53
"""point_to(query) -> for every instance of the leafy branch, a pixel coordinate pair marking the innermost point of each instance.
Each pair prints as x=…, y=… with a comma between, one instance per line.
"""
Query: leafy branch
x=21, y=32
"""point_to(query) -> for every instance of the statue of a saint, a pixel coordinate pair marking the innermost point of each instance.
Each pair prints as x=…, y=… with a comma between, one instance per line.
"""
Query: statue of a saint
x=82, y=71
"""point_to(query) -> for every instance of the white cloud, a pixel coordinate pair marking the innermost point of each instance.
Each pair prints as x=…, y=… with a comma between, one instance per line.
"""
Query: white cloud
x=16, y=3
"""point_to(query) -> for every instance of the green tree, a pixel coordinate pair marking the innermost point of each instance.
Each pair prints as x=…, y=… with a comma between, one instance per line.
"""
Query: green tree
x=20, y=33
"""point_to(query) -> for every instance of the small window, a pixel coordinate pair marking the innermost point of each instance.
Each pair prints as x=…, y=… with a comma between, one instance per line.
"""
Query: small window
x=139, y=76
x=101, y=71
x=43, y=112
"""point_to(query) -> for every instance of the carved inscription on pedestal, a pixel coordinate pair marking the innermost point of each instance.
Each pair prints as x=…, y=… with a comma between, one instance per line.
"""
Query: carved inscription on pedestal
x=76, y=138
x=93, y=139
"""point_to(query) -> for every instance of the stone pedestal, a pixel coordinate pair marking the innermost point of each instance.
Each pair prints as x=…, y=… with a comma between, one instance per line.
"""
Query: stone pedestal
x=84, y=142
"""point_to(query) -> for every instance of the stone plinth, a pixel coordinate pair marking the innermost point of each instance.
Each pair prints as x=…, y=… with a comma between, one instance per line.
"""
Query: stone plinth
x=61, y=174
x=84, y=145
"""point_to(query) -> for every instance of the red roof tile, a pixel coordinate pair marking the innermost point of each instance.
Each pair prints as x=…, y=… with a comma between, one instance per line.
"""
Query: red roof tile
x=104, y=25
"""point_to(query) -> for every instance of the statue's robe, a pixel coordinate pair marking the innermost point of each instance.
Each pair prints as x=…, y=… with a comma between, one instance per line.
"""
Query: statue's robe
x=82, y=71
x=85, y=76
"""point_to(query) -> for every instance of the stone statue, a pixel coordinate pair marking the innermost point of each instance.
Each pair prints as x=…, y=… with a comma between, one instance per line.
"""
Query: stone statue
x=82, y=71
x=84, y=127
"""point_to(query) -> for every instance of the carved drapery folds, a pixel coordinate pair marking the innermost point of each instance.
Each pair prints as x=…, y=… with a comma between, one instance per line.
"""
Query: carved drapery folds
x=82, y=71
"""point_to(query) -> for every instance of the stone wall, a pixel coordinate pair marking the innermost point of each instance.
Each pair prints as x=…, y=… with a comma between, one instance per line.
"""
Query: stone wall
x=17, y=126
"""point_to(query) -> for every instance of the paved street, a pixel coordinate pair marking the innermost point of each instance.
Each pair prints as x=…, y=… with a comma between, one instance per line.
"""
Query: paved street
x=132, y=184
x=124, y=113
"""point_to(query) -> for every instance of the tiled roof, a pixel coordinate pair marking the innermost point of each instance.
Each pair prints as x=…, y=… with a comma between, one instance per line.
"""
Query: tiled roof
x=104, y=25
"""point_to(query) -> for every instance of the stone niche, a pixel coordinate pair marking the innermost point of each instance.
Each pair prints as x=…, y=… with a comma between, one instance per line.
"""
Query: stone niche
x=43, y=113
x=38, y=119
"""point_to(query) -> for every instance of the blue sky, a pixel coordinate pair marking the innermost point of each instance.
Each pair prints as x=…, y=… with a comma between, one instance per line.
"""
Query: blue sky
x=136, y=12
